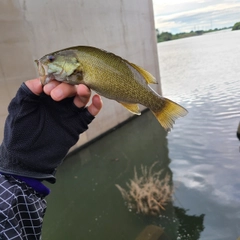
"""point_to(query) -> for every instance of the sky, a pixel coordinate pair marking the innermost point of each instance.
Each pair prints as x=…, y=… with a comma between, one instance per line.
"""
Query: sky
x=185, y=15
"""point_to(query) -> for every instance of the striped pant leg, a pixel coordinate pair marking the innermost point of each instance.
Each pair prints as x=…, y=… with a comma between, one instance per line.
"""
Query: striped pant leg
x=21, y=210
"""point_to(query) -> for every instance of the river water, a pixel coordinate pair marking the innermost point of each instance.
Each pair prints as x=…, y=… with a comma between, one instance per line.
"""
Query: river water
x=201, y=154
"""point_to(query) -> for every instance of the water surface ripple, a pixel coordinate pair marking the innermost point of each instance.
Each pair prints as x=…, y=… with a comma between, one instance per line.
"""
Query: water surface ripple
x=202, y=73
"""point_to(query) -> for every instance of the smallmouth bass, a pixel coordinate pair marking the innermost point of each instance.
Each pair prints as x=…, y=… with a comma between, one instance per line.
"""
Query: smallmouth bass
x=110, y=76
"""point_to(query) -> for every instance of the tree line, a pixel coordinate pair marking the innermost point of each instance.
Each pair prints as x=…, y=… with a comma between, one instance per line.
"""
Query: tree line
x=236, y=26
x=167, y=36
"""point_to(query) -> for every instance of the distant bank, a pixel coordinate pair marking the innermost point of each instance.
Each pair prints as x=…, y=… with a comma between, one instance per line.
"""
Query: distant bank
x=236, y=26
x=167, y=36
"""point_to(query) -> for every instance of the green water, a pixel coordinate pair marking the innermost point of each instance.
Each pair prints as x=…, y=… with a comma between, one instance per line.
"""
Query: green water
x=85, y=204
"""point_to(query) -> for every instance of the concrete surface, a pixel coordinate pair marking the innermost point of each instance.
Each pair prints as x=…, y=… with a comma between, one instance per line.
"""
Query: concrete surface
x=31, y=29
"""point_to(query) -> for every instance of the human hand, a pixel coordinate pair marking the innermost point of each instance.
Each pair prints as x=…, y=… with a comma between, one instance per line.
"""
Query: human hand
x=42, y=125
x=59, y=90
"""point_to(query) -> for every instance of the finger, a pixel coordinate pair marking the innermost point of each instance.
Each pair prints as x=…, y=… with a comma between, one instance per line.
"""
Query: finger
x=83, y=95
x=96, y=105
x=50, y=86
x=63, y=90
x=35, y=86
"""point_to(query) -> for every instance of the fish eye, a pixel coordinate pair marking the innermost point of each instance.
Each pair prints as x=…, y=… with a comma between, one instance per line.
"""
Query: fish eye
x=51, y=58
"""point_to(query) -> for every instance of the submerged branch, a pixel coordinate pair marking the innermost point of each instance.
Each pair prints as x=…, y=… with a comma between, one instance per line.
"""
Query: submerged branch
x=147, y=193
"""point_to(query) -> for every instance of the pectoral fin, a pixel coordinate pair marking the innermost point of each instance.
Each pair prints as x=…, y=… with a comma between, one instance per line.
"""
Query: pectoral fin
x=75, y=78
x=133, y=108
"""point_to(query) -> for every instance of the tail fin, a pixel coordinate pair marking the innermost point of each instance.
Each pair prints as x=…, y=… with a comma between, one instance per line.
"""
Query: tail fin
x=169, y=113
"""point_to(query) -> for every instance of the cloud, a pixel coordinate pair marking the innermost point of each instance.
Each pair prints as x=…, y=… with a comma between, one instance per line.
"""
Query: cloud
x=187, y=15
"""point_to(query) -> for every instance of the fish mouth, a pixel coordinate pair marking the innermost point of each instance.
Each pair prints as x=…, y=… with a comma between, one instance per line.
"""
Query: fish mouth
x=43, y=73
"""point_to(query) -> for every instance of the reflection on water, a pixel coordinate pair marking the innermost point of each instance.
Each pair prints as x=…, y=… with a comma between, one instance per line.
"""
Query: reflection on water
x=201, y=154
x=203, y=74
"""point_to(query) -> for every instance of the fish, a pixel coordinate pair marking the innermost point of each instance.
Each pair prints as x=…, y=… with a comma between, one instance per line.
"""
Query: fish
x=110, y=76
